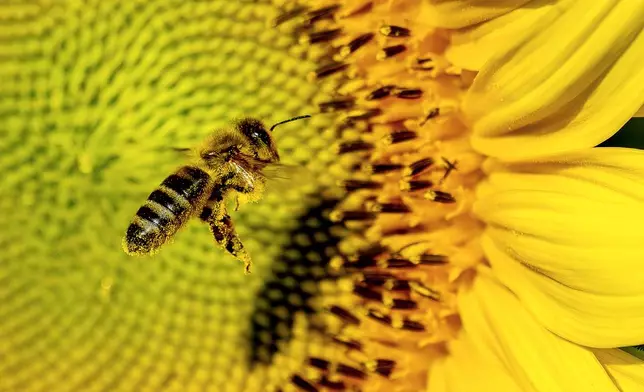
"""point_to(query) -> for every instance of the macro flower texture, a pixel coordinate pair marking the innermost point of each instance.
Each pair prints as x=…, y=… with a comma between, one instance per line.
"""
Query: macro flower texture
x=453, y=224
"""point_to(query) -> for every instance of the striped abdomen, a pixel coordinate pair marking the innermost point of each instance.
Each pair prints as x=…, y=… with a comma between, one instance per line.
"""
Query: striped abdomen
x=166, y=210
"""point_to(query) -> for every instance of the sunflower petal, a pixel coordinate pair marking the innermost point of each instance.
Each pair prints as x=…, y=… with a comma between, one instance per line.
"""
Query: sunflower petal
x=565, y=236
x=627, y=370
x=471, y=47
x=497, y=322
x=465, y=367
x=455, y=14
x=570, y=81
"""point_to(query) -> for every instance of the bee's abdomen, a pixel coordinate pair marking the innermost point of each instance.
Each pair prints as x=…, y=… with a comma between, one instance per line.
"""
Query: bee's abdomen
x=166, y=210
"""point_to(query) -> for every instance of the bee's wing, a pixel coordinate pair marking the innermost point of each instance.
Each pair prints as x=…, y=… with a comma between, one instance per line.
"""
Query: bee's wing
x=276, y=176
x=279, y=172
x=244, y=174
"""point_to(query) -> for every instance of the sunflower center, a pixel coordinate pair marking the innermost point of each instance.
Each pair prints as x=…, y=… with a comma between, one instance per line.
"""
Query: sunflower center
x=409, y=196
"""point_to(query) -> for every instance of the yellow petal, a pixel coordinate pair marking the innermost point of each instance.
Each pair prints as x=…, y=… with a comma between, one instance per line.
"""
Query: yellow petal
x=566, y=237
x=570, y=81
x=461, y=13
x=465, y=367
x=627, y=370
x=472, y=47
x=496, y=322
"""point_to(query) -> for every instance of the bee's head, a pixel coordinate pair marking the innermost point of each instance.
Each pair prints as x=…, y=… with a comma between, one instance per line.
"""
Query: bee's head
x=248, y=136
x=260, y=141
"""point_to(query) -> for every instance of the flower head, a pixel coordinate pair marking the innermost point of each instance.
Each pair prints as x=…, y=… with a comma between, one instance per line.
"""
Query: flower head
x=455, y=225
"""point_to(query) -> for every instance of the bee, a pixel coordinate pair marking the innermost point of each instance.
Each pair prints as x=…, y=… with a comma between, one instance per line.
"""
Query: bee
x=229, y=162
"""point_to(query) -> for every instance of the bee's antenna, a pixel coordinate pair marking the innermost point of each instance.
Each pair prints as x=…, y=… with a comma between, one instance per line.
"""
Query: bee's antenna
x=289, y=120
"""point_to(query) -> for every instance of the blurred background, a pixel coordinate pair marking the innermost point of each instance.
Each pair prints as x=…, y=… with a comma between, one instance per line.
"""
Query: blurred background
x=94, y=96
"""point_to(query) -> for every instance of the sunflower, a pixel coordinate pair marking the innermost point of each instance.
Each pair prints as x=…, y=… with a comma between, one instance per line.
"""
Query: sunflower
x=456, y=229
x=487, y=220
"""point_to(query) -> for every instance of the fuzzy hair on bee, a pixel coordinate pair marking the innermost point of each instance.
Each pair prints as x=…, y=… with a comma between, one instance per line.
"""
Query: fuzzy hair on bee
x=230, y=162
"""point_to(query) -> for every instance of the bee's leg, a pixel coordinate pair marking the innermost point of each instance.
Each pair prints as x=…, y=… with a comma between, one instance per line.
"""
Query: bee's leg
x=214, y=213
x=226, y=236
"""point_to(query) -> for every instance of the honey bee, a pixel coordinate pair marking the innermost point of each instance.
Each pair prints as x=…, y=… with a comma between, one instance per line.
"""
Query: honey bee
x=229, y=162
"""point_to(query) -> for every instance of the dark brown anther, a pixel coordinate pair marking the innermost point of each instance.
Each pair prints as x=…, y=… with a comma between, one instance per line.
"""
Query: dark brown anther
x=390, y=51
x=394, y=31
x=354, y=146
x=388, y=281
x=319, y=363
x=352, y=216
x=400, y=136
x=391, y=208
x=403, y=230
x=428, y=259
x=356, y=44
x=403, y=304
x=350, y=371
x=363, y=262
x=288, y=15
x=381, y=168
x=348, y=343
x=356, y=185
x=332, y=385
x=330, y=69
x=357, y=167
x=410, y=93
x=431, y=114
x=366, y=7
x=336, y=104
x=415, y=185
x=398, y=262
x=380, y=93
x=302, y=384
x=367, y=293
x=344, y=315
x=322, y=36
x=384, y=367
x=419, y=166
x=322, y=13
x=411, y=325
x=398, y=285
x=439, y=197
x=359, y=115
x=380, y=317
x=424, y=64
x=425, y=291
x=371, y=252
x=376, y=278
